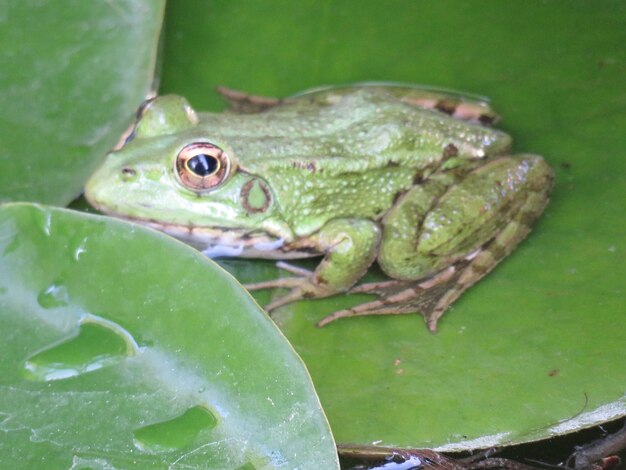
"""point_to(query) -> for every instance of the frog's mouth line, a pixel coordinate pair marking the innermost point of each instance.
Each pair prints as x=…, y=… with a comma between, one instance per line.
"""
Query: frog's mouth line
x=228, y=242
x=217, y=242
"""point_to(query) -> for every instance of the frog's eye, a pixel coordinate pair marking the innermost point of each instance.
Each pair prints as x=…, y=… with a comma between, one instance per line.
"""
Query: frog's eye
x=202, y=166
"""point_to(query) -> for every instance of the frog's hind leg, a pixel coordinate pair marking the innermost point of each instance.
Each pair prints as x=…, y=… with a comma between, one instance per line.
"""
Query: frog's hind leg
x=457, y=105
x=244, y=103
x=501, y=232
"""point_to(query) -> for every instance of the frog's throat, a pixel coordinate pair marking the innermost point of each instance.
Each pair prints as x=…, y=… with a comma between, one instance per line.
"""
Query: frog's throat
x=227, y=242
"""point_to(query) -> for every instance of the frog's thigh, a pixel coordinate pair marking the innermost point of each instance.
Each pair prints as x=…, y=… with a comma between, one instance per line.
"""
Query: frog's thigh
x=504, y=195
x=454, y=104
x=350, y=246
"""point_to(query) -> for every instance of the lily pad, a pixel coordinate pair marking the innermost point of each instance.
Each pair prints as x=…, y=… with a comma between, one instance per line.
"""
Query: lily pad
x=72, y=74
x=537, y=348
x=122, y=348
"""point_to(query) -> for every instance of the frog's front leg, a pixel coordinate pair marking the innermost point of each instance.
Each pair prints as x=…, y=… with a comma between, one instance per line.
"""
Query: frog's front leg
x=349, y=247
x=469, y=229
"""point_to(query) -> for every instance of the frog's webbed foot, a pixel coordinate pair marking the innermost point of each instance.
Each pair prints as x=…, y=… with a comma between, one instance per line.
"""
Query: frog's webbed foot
x=244, y=103
x=302, y=286
x=430, y=297
x=350, y=247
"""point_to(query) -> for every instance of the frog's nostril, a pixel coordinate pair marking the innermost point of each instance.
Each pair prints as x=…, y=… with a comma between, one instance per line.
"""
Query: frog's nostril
x=128, y=173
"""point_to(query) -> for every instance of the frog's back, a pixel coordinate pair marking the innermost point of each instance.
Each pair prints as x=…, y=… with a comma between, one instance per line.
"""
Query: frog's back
x=325, y=153
x=351, y=129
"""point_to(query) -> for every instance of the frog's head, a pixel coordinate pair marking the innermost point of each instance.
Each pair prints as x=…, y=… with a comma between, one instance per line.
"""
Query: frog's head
x=170, y=172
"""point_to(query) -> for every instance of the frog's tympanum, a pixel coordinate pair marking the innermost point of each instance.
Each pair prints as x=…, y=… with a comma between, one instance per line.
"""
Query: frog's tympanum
x=411, y=178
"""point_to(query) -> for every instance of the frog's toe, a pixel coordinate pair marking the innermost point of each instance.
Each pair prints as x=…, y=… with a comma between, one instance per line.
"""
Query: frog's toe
x=293, y=295
x=302, y=287
x=404, y=301
x=294, y=283
x=379, y=288
x=293, y=269
x=369, y=308
x=303, y=276
x=286, y=282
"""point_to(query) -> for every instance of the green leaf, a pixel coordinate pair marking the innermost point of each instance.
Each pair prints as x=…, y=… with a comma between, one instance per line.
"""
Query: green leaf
x=537, y=348
x=72, y=74
x=122, y=348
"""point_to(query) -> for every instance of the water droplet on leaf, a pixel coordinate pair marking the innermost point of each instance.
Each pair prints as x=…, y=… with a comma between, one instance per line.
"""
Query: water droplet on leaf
x=53, y=296
x=177, y=433
x=96, y=345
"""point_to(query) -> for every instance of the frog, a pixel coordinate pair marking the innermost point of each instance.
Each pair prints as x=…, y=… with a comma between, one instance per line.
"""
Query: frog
x=413, y=178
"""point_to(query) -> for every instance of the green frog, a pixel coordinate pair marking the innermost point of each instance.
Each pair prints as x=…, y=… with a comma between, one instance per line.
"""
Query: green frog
x=413, y=178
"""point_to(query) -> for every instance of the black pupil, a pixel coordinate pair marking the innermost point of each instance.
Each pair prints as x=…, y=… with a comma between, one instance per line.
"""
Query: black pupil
x=202, y=164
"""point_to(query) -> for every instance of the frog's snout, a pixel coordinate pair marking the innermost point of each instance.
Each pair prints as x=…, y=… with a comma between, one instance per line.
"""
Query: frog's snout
x=98, y=189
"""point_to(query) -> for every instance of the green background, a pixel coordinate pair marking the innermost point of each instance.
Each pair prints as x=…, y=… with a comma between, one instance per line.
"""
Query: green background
x=541, y=339
x=534, y=350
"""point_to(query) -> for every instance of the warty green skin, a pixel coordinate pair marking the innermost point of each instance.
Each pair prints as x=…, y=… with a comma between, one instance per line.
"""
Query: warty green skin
x=355, y=174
